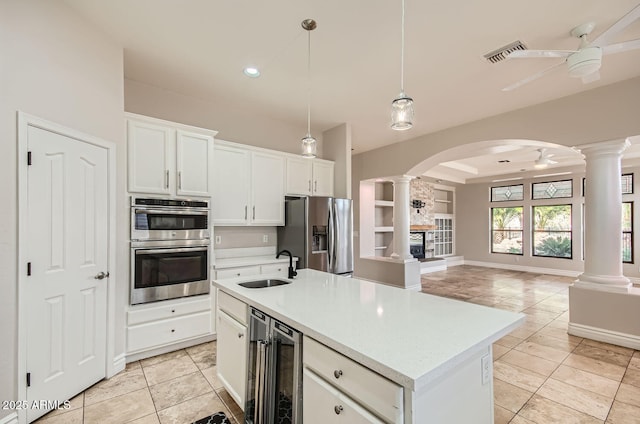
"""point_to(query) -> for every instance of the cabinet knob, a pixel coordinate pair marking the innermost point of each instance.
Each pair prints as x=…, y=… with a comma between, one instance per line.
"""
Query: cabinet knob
x=173, y=311
x=173, y=330
x=337, y=373
x=240, y=335
x=338, y=409
x=238, y=274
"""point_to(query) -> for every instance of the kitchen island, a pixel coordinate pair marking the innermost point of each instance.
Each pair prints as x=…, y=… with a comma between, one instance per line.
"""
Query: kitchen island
x=435, y=351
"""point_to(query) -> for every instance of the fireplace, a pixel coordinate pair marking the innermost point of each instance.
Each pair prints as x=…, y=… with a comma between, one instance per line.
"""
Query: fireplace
x=416, y=244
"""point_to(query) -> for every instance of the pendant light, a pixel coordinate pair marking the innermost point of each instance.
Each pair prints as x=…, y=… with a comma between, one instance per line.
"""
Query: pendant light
x=402, y=106
x=309, y=144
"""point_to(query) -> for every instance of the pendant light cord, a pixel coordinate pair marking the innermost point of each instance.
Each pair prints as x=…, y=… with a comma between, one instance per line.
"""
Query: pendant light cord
x=309, y=83
x=402, y=53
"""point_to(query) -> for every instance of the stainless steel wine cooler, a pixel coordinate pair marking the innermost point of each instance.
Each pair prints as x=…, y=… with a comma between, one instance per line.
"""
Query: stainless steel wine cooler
x=274, y=389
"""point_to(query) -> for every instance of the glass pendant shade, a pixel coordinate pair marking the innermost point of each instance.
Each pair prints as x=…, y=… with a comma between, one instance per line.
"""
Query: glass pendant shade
x=309, y=146
x=402, y=113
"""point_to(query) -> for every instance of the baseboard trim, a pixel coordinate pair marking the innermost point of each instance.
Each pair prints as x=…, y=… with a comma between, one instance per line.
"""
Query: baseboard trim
x=607, y=336
x=119, y=364
x=12, y=418
x=524, y=268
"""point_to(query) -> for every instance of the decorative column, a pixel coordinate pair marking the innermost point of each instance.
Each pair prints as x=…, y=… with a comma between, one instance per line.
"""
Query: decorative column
x=401, y=217
x=603, y=218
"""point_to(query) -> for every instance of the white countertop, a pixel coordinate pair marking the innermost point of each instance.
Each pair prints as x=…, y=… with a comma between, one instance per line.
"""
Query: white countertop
x=410, y=337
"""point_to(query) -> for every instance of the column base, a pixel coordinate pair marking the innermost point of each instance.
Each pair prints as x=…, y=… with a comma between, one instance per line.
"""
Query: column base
x=608, y=283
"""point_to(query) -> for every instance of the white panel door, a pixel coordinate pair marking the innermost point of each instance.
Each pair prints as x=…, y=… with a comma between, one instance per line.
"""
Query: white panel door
x=230, y=203
x=67, y=248
x=194, y=164
x=267, y=189
x=151, y=158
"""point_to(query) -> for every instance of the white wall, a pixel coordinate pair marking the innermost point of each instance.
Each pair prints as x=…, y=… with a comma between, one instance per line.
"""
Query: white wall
x=59, y=68
x=231, y=122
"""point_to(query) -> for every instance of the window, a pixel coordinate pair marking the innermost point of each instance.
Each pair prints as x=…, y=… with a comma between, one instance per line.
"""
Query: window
x=506, y=193
x=506, y=230
x=552, y=231
x=627, y=232
x=626, y=184
x=552, y=190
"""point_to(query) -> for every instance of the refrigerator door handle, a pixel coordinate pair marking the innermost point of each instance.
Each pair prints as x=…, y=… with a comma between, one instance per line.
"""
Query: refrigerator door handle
x=330, y=239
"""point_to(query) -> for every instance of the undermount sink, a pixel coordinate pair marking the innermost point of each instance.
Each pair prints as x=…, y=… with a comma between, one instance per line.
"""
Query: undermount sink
x=260, y=284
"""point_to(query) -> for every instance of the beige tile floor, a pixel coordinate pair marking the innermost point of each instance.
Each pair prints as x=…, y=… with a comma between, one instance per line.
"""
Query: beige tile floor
x=541, y=374
x=177, y=387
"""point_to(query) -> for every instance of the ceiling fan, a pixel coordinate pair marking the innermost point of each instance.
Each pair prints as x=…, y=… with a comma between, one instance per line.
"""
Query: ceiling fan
x=544, y=159
x=584, y=62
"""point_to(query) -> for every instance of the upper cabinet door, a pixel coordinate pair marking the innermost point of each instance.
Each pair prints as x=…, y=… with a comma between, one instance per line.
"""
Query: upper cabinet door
x=194, y=155
x=299, y=176
x=267, y=194
x=322, y=178
x=231, y=173
x=151, y=159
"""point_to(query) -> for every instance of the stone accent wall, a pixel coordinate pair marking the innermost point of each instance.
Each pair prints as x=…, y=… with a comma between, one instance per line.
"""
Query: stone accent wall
x=422, y=190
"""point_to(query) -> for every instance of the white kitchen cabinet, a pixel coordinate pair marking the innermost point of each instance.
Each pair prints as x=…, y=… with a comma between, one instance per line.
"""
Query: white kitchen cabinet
x=232, y=346
x=169, y=158
x=309, y=177
x=161, y=324
x=380, y=396
x=248, y=187
x=324, y=404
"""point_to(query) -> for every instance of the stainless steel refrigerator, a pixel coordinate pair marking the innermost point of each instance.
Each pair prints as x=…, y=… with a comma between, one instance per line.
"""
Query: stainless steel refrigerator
x=319, y=231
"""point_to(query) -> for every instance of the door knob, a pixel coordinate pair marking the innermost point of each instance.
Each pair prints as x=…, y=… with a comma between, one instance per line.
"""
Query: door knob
x=101, y=275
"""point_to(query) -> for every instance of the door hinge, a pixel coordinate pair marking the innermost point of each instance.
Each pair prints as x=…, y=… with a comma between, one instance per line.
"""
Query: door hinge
x=28, y=379
x=28, y=268
x=29, y=157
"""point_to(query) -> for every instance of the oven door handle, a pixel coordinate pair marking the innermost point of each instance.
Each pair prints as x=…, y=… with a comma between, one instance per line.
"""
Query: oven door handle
x=171, y=212
x=139, y=251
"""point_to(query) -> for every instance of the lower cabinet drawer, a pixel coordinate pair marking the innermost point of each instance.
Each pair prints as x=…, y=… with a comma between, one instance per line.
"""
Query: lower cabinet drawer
x=373, y=391
x=168, y=309
x=278, y=269
x=324, y=404
x=234, y=307
x=163, y=332
x=237, y=272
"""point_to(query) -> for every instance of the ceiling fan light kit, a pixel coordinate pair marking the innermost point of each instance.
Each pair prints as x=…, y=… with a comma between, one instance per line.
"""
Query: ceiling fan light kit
x=402, y=106
x=585, y=62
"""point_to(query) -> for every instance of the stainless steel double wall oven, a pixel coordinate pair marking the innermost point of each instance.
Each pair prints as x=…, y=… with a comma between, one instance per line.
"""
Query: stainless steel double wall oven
x=169, y=248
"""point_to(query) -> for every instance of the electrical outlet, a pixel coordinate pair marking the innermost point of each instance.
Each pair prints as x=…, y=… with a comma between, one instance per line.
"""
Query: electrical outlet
x=486, y=369
x=265, y=238
x=218, y=239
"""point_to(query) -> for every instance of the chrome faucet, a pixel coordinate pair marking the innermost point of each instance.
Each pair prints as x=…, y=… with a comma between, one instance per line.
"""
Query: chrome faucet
x=292, y=272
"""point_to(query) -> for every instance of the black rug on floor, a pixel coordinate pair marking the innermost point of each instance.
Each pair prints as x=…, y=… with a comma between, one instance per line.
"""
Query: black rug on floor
x=217, y=418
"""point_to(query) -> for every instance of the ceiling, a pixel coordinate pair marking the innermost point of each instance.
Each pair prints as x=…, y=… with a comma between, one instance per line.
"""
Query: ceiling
x=200, y=47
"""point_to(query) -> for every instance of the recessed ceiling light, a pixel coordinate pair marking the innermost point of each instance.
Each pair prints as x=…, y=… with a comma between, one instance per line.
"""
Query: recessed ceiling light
x=251, y=72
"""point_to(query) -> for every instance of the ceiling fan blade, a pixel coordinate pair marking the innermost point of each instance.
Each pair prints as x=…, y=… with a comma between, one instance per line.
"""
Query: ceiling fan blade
x=625, y=21
x=531, y=78
x=621, y=47
x=526, y=54
x=593, y=77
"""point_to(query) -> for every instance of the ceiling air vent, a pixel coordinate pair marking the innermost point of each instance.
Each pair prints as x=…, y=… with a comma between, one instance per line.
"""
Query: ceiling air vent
x=501, y=54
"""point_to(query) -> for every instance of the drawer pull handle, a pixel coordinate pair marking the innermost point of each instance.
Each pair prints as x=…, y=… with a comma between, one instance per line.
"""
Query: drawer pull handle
x=238, y=274
x=337, y=373
x=173, y=311
x=338, y=409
